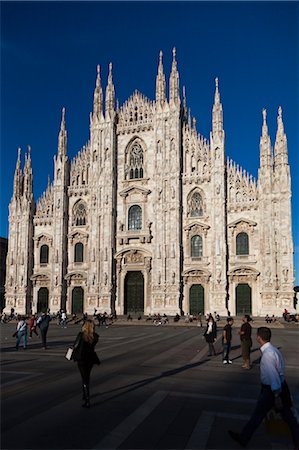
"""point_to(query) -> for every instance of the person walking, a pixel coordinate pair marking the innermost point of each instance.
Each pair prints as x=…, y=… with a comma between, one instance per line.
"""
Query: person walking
x=226, y=340
x=21, y=333
x=274, y=392
x=210, y=335
x=85, y=356
x=246, y=341
x=43, y=323
x=32, y=326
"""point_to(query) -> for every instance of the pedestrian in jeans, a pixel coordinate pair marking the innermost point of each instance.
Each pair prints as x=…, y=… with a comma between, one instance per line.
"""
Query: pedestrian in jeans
x=210, y=335
x=43, y=324
x=21, y=333
x=274, y=392
x=226, y=340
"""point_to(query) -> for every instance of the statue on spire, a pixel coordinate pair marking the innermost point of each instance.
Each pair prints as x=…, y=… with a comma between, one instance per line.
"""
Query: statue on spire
x=98, y=96
x=217, y=114
x=160, y=82
x=18, y=177
x=280, y=147
x=174, y=90
x=62, y=137
x=110, y=94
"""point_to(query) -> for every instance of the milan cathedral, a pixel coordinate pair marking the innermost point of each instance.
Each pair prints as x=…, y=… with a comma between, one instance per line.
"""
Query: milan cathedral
x=152, y=217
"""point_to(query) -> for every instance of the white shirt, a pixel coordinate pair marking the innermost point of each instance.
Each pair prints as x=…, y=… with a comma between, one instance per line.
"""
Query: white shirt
x=22, y=326
x=271, y=367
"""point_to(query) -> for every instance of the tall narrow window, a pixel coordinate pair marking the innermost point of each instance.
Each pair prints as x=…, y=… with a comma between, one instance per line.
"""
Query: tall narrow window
x=44, y=254
x=135, y=161
x=135, y=218
x=196, y=246
x=196, y=205
x=242, y=244
x=79, y=252
x=79, y=214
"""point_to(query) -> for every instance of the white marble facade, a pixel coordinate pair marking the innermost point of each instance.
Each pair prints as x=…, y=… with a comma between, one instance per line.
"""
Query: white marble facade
x=150, y=216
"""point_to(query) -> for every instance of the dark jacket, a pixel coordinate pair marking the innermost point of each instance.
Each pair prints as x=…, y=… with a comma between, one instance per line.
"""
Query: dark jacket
x=84, y=351
x=213, y=335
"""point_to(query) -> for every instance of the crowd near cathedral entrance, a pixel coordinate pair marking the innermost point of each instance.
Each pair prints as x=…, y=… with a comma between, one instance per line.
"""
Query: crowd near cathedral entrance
x=150, y=216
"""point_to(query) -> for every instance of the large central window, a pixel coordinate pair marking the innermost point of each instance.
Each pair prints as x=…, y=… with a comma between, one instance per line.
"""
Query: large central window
x=196, y=205
x=136, y=161
x=135, y=218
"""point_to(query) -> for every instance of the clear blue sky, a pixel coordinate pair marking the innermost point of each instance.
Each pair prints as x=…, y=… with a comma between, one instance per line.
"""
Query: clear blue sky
x=50, y=52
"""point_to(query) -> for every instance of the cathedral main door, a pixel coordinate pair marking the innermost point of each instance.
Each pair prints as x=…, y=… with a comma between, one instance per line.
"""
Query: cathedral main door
x=77, y=300
x=42, y=300
x=243, y=299
x=196, y=299
x=134, y=293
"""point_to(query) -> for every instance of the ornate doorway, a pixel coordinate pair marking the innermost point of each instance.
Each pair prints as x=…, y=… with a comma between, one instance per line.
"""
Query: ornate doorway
x=77, y=300
x=134, y=293
x=243, y=299
x=196, y=299
x=42, y=300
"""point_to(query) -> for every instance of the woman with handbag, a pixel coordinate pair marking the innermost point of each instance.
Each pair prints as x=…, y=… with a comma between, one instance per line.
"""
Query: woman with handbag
x=85, y=356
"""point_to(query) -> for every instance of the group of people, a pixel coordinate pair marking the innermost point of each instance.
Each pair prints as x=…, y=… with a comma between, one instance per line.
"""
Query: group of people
x=274, y=389
x=35, y=323
x=210, y=335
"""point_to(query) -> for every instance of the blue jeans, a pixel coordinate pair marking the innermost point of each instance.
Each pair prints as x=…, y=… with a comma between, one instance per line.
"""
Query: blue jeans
x=22, y=335
x=264, y=403
x=226, y=350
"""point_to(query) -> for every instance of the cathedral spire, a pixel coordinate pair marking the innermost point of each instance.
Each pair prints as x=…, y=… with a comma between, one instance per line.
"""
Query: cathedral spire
x=265, y=144
x=217, y=115
x=62, y=138
x=174, y=89
x=18, y=177
x=160, y=83
x=28, y=175
x=110, y=94
x=98, y=96
x=280, y=148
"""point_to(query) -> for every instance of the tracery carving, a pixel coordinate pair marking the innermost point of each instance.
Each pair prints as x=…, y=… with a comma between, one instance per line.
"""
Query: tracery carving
x=136, y=111
x=195, y=203
x=241, y=186
x=79, y=213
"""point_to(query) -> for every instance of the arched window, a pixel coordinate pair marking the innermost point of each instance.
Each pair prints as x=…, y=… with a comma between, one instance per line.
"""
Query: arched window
x=79, y=252
x=79, y=214
x=135, y=218
x=242, y=244
x=135, y=161
x=196, y=205
x=44, y=254
x=196, y=246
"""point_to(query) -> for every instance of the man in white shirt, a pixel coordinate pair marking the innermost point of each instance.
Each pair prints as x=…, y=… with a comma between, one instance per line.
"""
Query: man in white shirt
x=274, y=392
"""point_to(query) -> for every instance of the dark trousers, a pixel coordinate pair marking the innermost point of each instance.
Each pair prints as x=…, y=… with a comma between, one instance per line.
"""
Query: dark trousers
x=85, y=370
x=211, y=348
x=264, y=403
x=43, y=332
x=226, y=350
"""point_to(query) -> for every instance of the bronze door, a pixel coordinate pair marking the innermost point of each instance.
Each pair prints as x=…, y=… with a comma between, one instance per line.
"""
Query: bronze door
x=243, y=299
x=196, y=299
x=134, y=293
x=43, y=300
x=77, y=300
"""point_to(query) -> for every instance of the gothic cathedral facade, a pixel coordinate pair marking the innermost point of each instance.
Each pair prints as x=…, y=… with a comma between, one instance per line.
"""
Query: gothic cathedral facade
x=151, y=217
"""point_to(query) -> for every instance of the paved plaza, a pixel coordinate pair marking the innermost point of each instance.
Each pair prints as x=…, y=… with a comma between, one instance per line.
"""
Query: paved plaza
x=155, y=389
